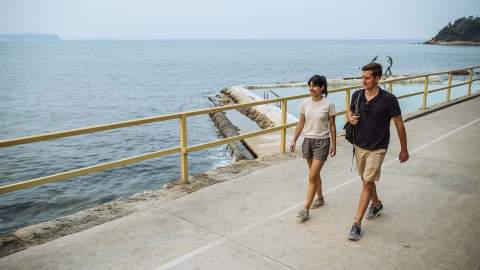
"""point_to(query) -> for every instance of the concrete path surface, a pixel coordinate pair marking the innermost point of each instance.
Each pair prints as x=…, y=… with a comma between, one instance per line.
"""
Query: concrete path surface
x=431, y=218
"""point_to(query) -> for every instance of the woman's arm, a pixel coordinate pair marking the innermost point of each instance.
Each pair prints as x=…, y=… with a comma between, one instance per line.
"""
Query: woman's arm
x=333, y=135
x=298, y=131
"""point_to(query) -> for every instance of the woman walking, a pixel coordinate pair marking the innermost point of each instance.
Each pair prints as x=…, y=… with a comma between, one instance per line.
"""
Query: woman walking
x=317, y=120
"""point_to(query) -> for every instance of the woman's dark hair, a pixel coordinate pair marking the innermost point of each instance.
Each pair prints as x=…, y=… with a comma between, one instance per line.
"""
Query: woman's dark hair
x=319, y=80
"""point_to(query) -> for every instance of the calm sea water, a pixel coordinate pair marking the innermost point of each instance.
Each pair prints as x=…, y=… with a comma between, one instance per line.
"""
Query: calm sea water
x=53, y=86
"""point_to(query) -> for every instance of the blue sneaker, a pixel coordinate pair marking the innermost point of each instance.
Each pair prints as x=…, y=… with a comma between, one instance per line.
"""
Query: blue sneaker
x=374, y=212
x=355, y=232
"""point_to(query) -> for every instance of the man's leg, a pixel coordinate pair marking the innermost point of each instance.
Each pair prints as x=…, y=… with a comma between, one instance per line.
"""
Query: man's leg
x=375, y=200
x=375, y=161
x=365, y=198
x=361, y=156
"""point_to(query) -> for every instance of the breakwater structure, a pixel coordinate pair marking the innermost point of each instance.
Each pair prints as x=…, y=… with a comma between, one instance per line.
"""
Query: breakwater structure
x=272, y=138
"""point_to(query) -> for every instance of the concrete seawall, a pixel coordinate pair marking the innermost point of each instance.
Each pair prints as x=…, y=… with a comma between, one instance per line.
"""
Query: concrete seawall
x=226, y=128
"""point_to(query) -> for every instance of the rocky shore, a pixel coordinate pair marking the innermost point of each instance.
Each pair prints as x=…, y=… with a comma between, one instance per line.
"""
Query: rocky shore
x=452, y=43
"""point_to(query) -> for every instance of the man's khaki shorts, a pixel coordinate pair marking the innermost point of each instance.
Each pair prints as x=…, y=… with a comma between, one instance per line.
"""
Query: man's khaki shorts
x=369, y=163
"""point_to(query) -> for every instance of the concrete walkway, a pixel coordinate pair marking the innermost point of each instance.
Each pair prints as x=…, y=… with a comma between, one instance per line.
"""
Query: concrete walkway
x=431, y=219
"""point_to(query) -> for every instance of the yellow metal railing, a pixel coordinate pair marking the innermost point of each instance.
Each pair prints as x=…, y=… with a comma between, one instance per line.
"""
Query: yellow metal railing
x=183, y=149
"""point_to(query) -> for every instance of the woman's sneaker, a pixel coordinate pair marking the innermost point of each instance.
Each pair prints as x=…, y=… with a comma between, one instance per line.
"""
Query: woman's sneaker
x=355, y=232
x=318, y=202
x=374, y=212
x=303, y=214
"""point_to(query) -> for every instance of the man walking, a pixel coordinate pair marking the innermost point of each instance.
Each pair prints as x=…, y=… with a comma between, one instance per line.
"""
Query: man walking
x=376, y=107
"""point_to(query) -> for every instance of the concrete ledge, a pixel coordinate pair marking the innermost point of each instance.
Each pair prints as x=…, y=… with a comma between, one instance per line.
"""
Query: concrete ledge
x=44, y=232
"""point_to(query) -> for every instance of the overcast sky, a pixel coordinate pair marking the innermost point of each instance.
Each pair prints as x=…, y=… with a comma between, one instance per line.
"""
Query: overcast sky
x=225, y=19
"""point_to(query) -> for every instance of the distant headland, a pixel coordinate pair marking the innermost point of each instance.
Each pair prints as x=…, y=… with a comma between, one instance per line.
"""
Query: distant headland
x=464, y=31
x=28, y=37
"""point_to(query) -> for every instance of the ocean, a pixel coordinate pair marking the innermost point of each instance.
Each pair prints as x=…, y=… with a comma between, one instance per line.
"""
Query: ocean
x=48, y=86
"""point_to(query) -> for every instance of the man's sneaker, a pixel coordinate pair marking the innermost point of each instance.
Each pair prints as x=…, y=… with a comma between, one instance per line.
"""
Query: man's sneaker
x=318, y=202
x=355, y=232
x=374, y=212
x=303, y=214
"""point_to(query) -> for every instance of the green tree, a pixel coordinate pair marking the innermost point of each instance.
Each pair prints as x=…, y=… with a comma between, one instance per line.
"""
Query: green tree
x=463, y=29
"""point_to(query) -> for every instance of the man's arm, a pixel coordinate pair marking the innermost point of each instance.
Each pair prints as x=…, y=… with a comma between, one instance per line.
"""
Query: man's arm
x=353, y=119
x=402, y=135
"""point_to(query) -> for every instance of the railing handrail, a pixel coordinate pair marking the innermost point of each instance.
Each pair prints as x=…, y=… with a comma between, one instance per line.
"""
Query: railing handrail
x=164, y=117
x=184, y=149
x=386, y=80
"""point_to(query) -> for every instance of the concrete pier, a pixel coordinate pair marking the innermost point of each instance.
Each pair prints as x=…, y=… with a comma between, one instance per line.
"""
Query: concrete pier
x=431, y=218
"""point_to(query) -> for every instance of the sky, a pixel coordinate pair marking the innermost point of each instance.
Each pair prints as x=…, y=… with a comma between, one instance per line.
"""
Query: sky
x=228, y=19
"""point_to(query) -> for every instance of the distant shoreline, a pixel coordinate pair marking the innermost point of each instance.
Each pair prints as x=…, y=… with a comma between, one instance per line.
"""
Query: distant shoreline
x=403, y=40
x=452, y=43
x=28, y=37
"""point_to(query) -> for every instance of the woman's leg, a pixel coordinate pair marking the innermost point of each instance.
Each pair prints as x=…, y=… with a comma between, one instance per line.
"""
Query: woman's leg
x=313, y=180
x=309, y=162
x=319, y=187
x=319, y=180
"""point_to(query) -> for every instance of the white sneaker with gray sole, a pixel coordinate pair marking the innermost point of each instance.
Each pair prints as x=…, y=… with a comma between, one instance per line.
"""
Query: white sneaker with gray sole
x=318, y=202
x=302, y=214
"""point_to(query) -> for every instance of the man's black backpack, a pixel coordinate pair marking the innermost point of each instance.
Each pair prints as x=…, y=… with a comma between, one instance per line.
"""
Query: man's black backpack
x=349, y=128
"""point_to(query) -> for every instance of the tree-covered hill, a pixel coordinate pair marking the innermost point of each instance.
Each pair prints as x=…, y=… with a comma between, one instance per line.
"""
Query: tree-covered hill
x=464, y=30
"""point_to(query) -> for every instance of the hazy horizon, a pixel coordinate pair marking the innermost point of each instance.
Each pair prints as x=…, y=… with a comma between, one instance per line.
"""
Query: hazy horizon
x=248, y=19
x=233, y=38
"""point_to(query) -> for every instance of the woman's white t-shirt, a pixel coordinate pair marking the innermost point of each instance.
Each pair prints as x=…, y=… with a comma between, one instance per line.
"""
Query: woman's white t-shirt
x=316, y=117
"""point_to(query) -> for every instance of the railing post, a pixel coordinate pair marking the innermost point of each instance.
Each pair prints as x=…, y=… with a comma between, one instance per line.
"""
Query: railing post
x=425, y=93
x=347, y=103
x=449, y=90
x=284, y=129
x=390, y=87
x=183, y=146
x=470, y=81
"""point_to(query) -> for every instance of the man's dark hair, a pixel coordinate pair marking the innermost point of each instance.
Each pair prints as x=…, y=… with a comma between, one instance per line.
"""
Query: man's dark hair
x=375, y=67
x=318, y=80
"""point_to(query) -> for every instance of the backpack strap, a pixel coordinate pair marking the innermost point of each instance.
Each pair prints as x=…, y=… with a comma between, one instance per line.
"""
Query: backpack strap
x=358, y=99
x=356, y=111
